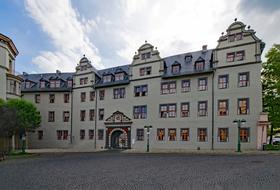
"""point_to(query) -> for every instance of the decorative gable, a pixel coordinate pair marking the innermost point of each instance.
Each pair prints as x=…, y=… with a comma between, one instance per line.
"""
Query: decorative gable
x=118, y=118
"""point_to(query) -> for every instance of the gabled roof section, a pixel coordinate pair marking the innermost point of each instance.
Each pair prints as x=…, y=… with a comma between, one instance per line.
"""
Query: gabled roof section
x=10, y=44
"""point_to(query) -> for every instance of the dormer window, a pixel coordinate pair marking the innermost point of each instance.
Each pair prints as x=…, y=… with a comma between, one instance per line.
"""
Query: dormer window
x=235, y=37
x=107, y=78
x=231, y=38
x=145, y=55
x=84, y=67
x=239, y=36
x=176, y=68
x=83, y=81
x=55, y=83
x=119, y=76
x=199, y=66
x=42, y=84
x=188, y=59
x=27, y=84
x=69, y=83
x=145, y=71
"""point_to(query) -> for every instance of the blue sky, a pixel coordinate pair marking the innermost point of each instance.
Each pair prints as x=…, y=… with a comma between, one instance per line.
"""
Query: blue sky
x=53, y=35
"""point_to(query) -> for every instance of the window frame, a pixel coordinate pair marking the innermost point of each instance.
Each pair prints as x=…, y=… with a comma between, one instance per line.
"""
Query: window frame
x=247, y=106
x=203, y=87
x=188, y=110
x=200, y=112
x=141, y=113
x=226, y=107
x=223, y=84
x=140, y=134
x=199, y=135
x=219, y=136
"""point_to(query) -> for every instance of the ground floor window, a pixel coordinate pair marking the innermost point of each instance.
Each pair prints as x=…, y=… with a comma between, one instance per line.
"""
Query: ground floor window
x=202, y=134
x=223, y=134
x=82, y=134
x=244, y=134
x=184, y=134
x=40, y=135
x=90, y=134
x=160, y=134
x=172, y=134
x=100, y=134
x=140, y=134
x=62, y=134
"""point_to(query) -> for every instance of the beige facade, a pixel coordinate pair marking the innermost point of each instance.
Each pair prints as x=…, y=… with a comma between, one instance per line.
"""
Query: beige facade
x=190, y=99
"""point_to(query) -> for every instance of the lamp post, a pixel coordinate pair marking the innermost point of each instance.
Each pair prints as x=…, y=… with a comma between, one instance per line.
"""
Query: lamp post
x=239, y=122
x=148, y=136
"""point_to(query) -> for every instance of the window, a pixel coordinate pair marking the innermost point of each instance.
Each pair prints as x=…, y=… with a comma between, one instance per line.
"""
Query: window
x=40, y=135
x=83, y=81
x=101, y=94
x=172, y=134
x=239, y=36
x=202, y=108
x=243, y=79
x=84, y=67
x=199, y=66
x=52, y=98
x=145, y=71
x=230, y=57
x=223, y=134
x=145, y=55
x=90, y=134
x=66, y=116
x=160, y=134
x=223, y=81
x=82, y=134
x=37, y=98
x=55, y=83
x=185, y=109
x=240, y=55
x=42, y=84
x=168, y=87
x=91, y=114
x=83, y=96
x=27, y=84
x=66, y=98
x=59, y=135
x=244, y=134
x=202, y=134
x=243, y=106
x=119, y=93
x=188, y=59
x=185, y=134
x=91, y=96
x=69, y=83
x=51, y=116
x=141, y=90
x=65, y=134
x=176, y=69
x=231, y=38
x=140, y=134
x=83, y=115
x=100, y=134
x=222, y=107
x=167, y=110
x=186, y=86
x=101, y=114
x=140, y=112
x=202, y=84
x=107, y=78
x=119, y=76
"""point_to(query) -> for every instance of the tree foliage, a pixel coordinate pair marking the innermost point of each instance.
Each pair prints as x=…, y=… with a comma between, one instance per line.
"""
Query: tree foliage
x=18, y=116
x=271, y=85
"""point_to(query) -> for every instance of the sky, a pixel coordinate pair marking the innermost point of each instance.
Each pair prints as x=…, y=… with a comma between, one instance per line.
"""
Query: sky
x=55, y=34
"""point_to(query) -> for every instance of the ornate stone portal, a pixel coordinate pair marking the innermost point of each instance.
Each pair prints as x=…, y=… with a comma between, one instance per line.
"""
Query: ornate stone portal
x=118, y=131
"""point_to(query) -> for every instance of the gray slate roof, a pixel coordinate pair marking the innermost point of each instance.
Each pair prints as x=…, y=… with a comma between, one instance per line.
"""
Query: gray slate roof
x=36, y=78
x=187, y=67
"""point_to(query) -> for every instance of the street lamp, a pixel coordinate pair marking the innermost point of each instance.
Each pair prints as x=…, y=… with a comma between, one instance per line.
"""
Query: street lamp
x=148, y=136
x=239, y=122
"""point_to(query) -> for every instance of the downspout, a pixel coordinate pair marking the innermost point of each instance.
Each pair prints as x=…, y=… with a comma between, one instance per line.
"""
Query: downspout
x=95, y=118
x=71, y=121
x=213, y=114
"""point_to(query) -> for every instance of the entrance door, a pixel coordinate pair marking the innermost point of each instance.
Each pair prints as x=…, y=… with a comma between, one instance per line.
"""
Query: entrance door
x=118, y=140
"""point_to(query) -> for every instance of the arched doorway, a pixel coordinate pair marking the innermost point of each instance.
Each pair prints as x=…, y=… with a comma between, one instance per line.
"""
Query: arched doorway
x=118, y=139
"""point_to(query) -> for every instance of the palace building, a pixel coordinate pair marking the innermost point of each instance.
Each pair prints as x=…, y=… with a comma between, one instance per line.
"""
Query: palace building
x=189, y=100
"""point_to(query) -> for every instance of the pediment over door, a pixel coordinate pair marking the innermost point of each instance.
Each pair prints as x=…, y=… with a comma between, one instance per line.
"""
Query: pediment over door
x=118, y=118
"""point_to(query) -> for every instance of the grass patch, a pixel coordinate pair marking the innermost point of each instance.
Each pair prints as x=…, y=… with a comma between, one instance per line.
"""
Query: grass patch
x=15, y=155
x=272, y=147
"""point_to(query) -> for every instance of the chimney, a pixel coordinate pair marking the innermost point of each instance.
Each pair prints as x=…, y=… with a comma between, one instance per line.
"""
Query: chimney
x=25, y=74
x=58, y=72
x=204, y=48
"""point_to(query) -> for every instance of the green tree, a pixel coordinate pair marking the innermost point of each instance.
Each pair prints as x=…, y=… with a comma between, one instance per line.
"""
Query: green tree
x=271, y=87
x=27, y=116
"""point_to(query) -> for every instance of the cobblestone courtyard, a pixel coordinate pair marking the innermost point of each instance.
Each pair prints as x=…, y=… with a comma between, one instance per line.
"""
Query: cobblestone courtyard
x=114, y=170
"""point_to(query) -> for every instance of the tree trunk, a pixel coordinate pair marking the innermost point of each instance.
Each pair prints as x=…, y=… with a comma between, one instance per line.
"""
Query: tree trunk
x=271, y=134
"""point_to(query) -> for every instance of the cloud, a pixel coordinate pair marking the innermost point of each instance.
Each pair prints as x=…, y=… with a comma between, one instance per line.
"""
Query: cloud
x=67, y=31
x=262, y=5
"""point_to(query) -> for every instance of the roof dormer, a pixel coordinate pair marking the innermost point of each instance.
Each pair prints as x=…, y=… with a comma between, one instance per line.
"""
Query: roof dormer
x=146, y=53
